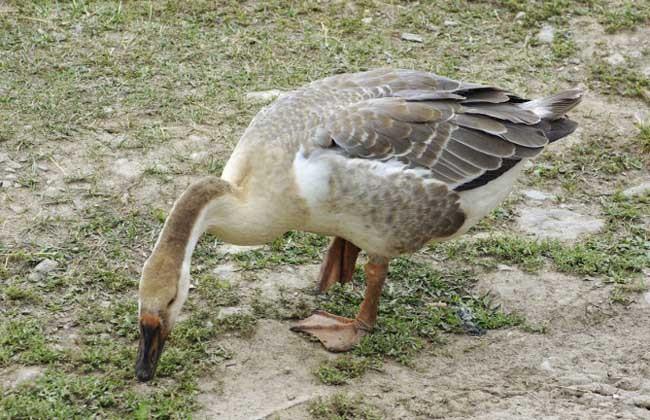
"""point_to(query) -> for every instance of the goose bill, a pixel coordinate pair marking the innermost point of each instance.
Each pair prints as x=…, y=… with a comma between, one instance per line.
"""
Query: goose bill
x=150, y=348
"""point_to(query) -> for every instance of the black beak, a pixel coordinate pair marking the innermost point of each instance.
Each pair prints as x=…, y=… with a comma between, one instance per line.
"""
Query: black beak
x=150, y=348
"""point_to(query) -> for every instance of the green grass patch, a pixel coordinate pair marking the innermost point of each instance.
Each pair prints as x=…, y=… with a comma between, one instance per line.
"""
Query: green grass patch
x=292, y=248
x=343, y=407
x=22, y=341
x=628, y=15
x=621, y=80
x=339, y=371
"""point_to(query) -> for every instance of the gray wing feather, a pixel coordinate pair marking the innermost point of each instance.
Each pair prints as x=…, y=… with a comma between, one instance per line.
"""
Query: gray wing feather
x=457, y=131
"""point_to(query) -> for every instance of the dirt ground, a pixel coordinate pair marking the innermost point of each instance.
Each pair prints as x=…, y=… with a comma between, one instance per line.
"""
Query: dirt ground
x=90, y=164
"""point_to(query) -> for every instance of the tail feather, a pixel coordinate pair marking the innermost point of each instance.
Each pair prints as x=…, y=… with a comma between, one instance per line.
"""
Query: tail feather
x=555, y=106
x=557, y=129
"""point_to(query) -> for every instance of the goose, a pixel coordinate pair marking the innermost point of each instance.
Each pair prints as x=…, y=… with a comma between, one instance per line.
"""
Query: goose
x=383, y=161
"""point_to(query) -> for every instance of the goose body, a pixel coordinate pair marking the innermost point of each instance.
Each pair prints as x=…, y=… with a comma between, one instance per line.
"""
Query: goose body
x=384, y=161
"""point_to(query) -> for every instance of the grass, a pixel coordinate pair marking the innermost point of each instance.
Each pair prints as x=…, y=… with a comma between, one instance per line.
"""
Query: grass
x=87, y=82
x=622, y=80
x=343, y=407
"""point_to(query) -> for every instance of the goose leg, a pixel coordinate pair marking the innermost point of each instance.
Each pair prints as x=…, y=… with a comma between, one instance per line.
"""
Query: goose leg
x=338, y=264
x=338, y=333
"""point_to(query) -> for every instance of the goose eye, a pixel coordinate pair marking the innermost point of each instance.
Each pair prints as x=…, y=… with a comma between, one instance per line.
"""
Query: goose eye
x=172, y=301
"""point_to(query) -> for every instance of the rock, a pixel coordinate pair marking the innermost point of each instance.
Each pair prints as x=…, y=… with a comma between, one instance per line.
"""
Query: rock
x=407, y=36
x=127, y=169
x=42, y=269
x=232, y=310
x=238, y=249
x=646, y=71
x=641, y=401
x=225, y=271
x=22, y=375
x=537, y=195
x=637, y=190
x=560, y=224
x=546, y=365
x=503, y=267
x=615, y=59
x=520, y=15
x=17, y=209
x=263, y=96
x=450, y=23
x=367, y=20
x=546, y=34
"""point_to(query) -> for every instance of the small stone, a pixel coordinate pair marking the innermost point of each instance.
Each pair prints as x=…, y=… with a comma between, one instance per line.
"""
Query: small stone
x=520, y=15
x=231, y=310
x=559, y=223
x=646, y=71
x=574, y=60
x=25, y=374
x=13, y=165
x=536, y=195
x=127, y=169
x=17, y=209
x=546, y=34
x=366, y=20
x=641, y=401
x=503, y=267
x=225, y=271
x=238, y=249
x=407, y=36
x=46, y=266
x=450, y=23
x=615, y=59
x=546, y=365
x=10, y=170
x=637, y=190
x=263, y=96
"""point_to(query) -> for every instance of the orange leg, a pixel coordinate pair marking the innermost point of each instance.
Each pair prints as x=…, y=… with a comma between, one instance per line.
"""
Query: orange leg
x=338, y=333
x=338, y=264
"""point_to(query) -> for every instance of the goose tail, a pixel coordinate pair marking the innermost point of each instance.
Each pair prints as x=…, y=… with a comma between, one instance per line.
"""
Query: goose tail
x=555, y=106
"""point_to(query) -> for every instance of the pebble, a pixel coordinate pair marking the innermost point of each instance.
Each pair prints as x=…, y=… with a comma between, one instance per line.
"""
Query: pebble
x=546, y=34
x=450, y=23
x=367, y=20
x=641, y=401
x=557, y=223
x=520, y=15
x=407, y=36
x=615, y=59
x=42, y=269
x=126, y=169
x=263, y=96
x=536, y=195
x=637, y=190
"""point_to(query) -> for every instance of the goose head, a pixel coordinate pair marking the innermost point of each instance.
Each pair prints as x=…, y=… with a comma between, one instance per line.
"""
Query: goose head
x=165, y=280
x=163, y=290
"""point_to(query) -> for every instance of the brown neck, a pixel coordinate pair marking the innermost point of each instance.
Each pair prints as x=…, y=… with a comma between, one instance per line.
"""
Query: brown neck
x=169, y=260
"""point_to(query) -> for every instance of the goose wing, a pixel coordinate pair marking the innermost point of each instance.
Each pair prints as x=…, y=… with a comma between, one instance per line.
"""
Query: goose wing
x=464, y=134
